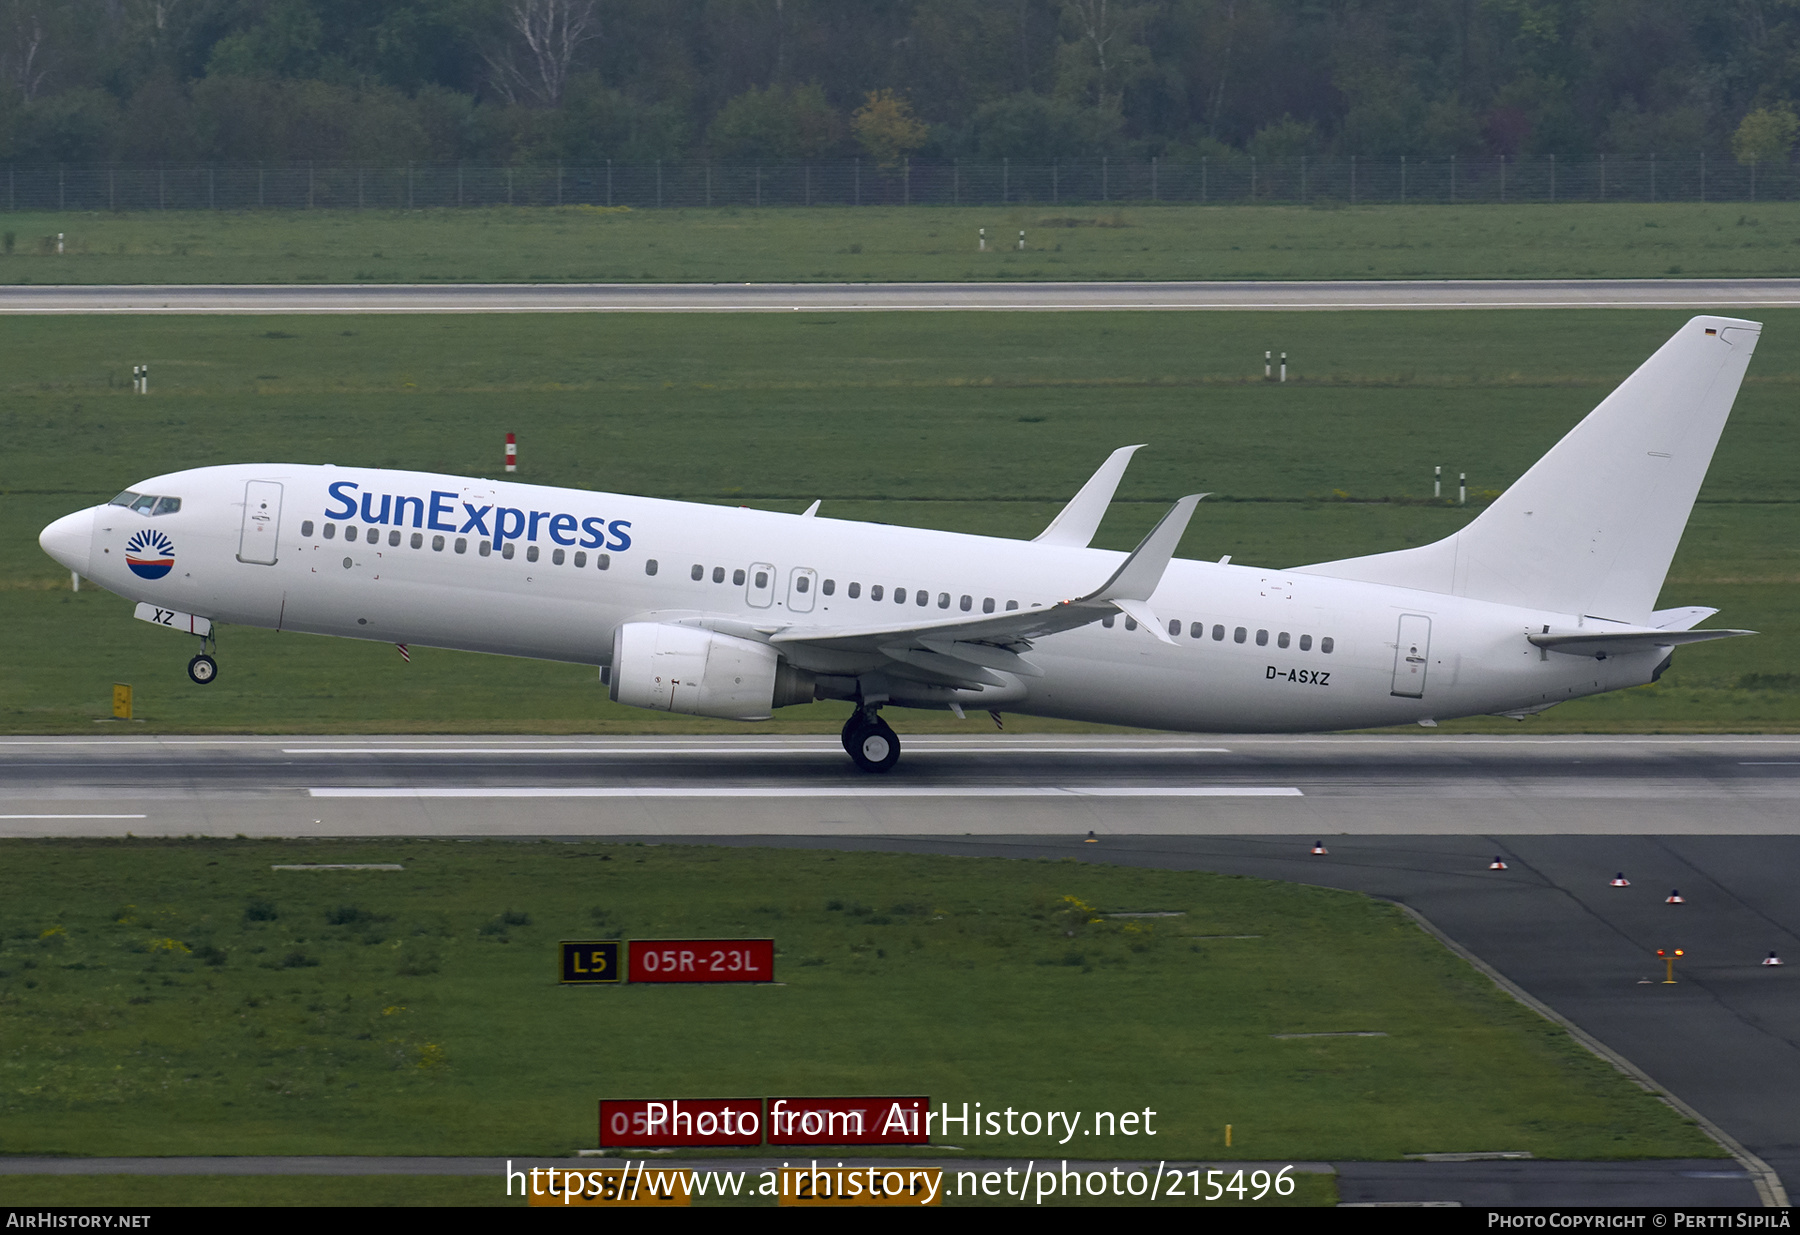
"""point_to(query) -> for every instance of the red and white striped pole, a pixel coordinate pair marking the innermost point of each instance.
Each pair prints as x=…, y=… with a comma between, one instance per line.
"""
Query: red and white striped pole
x=512, y=453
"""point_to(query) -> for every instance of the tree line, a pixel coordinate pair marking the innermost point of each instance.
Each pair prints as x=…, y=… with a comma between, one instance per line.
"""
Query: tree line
x=583, y=82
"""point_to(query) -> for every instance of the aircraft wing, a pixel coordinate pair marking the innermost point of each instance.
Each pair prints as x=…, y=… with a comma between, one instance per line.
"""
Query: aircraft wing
x=965, y=648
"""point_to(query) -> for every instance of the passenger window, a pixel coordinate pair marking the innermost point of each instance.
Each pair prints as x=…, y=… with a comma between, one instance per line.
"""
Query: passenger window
x=394, y=537
x=1196, y=630
x=943, y=600
x=967, y=603
x=718, y=574
x=875, y=592
x=899, y=595
x=556, y=557
x=987, y=604
x=167, y=505
x=603, y=561
x=350, y=532
x=1325, y=644
x=1218, y=634
x=1262, y=638
x=462, y=546
x=330, y=530
x=306, y=528
x=418, y=540
x=1107, y=621
x=1130, y=623
x=580, y=558
x=697, y=573
x=762, y=578
x=484, y=548
x=925, y=598
x=828, y=587
x=1306, y=643
x=856, y=590
x=650, y=568
x=1281, y=640
x=802, y=583
x=737, y=578
x=1174, y=626
x=1237, y=636
x=531, y=551
x=437, y=545
x=1011, y=605
x=506, y=550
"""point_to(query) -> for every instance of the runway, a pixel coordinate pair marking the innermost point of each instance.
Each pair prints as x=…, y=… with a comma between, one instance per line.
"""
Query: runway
x=944, y=786
x=1414, y=819
x=1716, y=294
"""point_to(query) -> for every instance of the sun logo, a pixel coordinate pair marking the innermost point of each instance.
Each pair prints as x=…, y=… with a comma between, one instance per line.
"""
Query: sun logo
x=151, y=555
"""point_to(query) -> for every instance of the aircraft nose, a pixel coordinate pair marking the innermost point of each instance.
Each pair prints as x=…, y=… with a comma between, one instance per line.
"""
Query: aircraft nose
x=70, y=540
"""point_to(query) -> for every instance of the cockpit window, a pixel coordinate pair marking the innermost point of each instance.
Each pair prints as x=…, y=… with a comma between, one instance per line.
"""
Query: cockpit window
x=147, y=503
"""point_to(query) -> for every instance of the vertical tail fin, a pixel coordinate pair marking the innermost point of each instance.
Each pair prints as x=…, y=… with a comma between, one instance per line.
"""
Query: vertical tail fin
x=1592, y=527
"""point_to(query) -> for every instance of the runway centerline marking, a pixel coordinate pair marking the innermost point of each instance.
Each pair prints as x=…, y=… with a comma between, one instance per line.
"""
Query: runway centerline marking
x=819, y=749
x=817, y=791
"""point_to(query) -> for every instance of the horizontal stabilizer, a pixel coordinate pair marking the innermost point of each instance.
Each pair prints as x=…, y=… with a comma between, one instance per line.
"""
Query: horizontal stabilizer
x=1076, y=524
x=1680, y=619
x=1624, y=642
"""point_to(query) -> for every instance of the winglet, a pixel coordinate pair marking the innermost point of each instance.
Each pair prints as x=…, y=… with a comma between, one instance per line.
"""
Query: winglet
x=1075, y=525
x=812, y=510
x=1139, y=574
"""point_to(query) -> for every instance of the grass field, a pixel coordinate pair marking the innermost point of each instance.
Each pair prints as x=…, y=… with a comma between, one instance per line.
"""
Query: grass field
x=980, y=423
x=838, y=244
x=184, y=998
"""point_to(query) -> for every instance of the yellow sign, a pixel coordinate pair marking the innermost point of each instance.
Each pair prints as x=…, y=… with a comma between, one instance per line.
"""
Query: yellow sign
x=608, y=1188
x=862, y=1185
x=590, y=961
x=121, y=701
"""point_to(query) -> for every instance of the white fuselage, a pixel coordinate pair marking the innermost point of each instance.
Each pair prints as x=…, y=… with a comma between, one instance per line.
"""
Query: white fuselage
x=417, y=574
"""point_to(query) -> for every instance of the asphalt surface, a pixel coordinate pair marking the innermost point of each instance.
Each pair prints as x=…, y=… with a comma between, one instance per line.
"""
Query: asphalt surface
x=1178, y=786
x=1721, y=294
x=1413, y=819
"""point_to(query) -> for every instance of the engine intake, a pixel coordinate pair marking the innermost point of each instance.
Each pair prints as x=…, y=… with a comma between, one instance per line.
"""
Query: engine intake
x=671, y=668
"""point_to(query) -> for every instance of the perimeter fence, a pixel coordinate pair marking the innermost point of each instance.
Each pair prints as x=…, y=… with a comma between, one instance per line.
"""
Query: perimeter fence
x=856, y=182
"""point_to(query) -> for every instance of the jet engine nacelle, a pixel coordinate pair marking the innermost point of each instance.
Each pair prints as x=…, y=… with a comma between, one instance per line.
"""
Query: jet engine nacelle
x=687, y=669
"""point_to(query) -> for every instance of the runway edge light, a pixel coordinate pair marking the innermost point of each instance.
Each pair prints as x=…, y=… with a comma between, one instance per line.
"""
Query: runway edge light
x=1772, y=959
x=1319, y=847
x=1498, y=864
x=1674, y=897
x=1619, y=881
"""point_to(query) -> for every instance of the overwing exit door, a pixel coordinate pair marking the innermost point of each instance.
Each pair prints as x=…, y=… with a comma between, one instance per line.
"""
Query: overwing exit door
x=262, y=523
x=1412, y=653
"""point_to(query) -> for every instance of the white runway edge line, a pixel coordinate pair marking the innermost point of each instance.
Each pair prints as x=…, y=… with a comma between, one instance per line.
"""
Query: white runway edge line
x=814, y=791
x=74, y=816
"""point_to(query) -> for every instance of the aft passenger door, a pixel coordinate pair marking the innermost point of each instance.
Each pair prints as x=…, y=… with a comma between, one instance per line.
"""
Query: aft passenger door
x=262, y=523
x=1412, y=654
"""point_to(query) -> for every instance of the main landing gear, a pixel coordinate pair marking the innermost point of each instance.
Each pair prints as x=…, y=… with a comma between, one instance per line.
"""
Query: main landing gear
x=870, y=743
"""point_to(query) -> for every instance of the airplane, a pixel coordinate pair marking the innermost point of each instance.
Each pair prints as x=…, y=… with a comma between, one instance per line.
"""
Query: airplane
x=1548, y=595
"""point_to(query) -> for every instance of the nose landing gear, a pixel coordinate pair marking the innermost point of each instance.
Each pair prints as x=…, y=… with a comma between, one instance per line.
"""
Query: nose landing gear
x=203, y=668
x=871, y=744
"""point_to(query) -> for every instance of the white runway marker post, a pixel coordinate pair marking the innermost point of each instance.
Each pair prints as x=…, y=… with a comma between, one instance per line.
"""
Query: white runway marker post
x=512, y=453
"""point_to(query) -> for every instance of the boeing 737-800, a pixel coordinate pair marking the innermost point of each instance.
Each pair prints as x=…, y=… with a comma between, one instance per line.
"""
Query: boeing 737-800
x=1548, y=595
